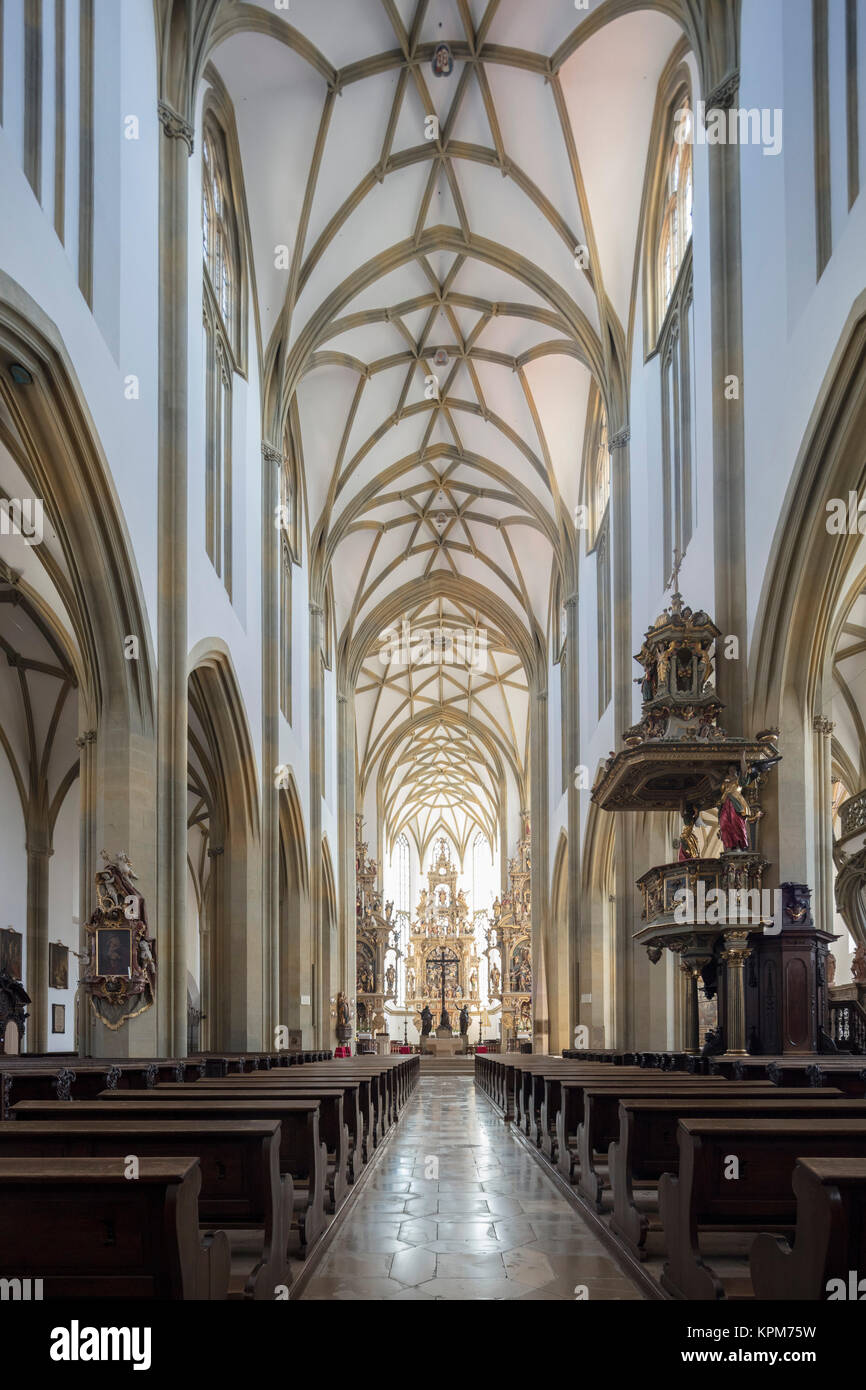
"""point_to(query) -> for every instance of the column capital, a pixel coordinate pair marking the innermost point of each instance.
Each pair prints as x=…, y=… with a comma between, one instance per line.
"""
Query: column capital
x=822, y=725
x=316, y=610
x=89, y=736
x=619, y=440
x=723, y=96
x=271, y=454
x=174, y=124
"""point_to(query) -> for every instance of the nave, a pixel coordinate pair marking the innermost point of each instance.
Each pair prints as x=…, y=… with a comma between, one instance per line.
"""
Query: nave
x=491, y=1226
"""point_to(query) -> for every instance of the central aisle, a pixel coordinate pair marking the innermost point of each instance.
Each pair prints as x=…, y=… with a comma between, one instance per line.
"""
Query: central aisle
x=458, y=1209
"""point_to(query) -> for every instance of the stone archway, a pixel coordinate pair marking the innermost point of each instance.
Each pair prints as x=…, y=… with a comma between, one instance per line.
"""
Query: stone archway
x=224, y=784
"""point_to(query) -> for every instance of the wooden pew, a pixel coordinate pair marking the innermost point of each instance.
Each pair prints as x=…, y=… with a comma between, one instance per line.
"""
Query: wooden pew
x=352, y=1113
x=302, y=1153
x=87, y=1231
x=241, y=1185
x=330, y=1095
x=761, y=1199
x=568, y=1115
x=600, y=1124
x=830, y=1239
x=648, y=1142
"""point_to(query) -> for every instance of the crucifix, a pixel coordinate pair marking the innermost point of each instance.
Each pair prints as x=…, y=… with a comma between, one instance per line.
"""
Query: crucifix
x=674, y=582
x=444, y=958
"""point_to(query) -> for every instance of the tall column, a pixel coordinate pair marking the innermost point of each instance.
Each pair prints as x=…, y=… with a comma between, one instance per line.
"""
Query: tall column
x=87, y=783
x=39, y=852
x=317, y=721
x=735, y=955
x=272, y=462
x=623, y=689
x=579, y=961
x=174, y=153
x=346, y=823
x=691, y=967
x=823, y=898
x=690, y=1007
x=729, y=487
x=539, y=841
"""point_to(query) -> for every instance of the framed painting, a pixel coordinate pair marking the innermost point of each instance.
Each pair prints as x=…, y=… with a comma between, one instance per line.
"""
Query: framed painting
x=58, y=1018
x=11, y=952
x=114, y=951
x=58, y=965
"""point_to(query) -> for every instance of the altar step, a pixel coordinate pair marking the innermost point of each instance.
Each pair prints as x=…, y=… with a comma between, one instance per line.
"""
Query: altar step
x=447, y=1066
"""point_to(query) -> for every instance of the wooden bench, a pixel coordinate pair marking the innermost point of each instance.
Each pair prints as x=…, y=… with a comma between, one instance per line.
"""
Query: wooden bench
x=331, y=1098
x=352, y=1112
x=600, y=1124
x=648, y=1144
x=241, y=1186
x=760, y=1199
x=302, y=1153
x=830, y=1239
x=86, y=1231
x=568, y=1110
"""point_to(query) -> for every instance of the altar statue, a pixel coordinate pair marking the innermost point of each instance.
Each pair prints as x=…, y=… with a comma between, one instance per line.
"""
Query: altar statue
x=495, y=978
x=464, y=1021
x=734, y=813
x=426, y=1021
x=390, y=977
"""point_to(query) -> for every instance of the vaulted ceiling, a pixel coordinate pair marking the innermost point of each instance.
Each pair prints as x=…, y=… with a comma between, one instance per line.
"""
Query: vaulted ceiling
x=450, y=289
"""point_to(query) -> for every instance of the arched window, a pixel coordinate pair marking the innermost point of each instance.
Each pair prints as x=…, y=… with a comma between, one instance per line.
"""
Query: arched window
x=402, y=885
x=675, y=226
x=601, y=479
x=287, y=532
x=598, y=481
x=221, y=300
x=219, y=228
x=669, y=267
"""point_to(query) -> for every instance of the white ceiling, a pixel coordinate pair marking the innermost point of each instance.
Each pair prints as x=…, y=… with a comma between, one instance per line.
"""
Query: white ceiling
x=401, y=245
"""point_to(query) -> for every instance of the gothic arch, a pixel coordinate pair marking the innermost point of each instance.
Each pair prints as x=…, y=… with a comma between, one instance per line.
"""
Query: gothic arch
x=810, y=581
x=294, y=906
x=221, y=750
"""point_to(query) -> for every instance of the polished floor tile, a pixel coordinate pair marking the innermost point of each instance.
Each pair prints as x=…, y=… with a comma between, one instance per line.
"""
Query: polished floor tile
x=457, y=1209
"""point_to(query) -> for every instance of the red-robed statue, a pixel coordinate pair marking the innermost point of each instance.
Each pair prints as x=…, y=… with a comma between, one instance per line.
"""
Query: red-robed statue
x=734, y=813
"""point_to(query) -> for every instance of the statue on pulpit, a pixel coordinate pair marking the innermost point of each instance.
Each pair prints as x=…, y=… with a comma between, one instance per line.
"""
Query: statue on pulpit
x=734, y=812
x=688, y=840
x=426, y=1021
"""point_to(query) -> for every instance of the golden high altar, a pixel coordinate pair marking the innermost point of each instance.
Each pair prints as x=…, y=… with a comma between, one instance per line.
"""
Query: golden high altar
x=442, y=937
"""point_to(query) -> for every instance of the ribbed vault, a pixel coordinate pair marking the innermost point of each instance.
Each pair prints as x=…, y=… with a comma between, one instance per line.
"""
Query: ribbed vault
x=435, y=300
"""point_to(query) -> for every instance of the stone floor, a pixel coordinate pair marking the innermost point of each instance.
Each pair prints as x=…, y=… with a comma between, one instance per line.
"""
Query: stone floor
x=457, y=1208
